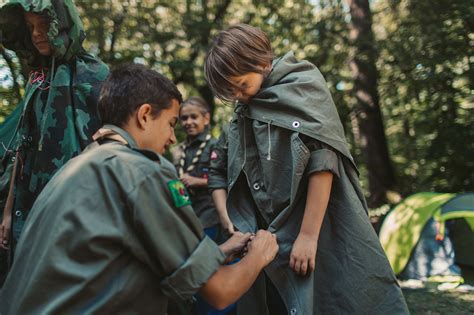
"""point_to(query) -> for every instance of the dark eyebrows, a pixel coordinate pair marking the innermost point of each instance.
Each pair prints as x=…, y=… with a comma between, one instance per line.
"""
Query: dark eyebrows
x=192, y=115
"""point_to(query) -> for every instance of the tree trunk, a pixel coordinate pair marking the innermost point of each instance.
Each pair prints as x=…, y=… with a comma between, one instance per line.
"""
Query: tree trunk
x=367, y=110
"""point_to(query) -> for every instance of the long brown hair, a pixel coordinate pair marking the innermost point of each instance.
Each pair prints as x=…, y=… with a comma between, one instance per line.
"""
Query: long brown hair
x=239, y=50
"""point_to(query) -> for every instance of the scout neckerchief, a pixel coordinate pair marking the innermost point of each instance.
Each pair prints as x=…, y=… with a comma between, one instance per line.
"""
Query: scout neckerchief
x=195, y=159
x=106, y=133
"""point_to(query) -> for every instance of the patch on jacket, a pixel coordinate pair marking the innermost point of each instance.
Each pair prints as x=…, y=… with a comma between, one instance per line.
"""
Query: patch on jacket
x=214, y=155
x=179, y=193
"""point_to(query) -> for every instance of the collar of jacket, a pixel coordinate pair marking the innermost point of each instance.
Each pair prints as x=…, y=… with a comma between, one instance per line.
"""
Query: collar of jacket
x=120, y=135
x=295, y=96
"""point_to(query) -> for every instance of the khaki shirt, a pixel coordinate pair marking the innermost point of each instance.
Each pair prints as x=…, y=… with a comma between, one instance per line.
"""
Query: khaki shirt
x=106, y=236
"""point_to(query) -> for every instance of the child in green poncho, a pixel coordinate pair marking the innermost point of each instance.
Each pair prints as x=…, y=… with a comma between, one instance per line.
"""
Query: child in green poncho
x=289, y=170
x=58, y=114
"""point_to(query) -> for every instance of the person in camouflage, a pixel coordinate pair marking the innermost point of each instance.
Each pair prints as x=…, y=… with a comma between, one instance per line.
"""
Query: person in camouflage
x=58, y=114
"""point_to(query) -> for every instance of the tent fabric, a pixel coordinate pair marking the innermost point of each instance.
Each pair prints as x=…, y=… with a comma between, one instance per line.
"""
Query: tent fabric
x=463, y=246
x=433, y=257
x=460, y=204
x=428, y=233
x=402, y=228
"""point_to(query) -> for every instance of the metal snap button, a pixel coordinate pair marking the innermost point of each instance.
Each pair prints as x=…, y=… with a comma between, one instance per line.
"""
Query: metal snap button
x=13, y=159
x=293, y=311
x=256, y=186
x=18, y=213
x=296, y=124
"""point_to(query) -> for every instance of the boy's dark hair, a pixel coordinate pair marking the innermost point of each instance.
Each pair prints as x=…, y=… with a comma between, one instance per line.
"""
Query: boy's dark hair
x=234, y=52
x=204, y=108
x=130, y=86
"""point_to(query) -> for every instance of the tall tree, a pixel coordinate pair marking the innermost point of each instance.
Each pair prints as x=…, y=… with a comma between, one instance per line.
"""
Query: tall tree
x=426, y=87
x=367, y=108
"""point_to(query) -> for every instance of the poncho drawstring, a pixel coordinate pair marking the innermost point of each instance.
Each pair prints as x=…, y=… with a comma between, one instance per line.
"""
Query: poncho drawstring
x=269, y=155
x=46, y=110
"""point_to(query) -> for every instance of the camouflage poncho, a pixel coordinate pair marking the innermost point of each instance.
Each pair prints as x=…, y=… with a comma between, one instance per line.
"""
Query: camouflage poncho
x=58, y=114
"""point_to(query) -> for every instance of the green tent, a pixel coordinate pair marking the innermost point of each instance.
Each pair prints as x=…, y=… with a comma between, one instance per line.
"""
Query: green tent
x=428, y=234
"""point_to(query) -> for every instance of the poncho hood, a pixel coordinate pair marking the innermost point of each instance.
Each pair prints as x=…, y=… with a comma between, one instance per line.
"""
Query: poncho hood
x=294, y=96
x=66, y=32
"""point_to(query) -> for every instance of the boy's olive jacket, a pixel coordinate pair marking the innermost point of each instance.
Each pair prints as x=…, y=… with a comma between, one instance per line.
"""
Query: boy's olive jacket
x=266, y=153
x=58, y=113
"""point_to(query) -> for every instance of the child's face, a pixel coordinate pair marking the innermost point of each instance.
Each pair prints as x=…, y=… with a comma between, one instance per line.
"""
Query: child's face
x=156, y=132
x=193, y=120
x=38, y=26
x=248, y=85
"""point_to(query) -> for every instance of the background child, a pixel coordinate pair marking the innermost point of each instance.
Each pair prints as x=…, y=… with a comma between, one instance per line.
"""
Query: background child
x=192, y=159
x=290, y=171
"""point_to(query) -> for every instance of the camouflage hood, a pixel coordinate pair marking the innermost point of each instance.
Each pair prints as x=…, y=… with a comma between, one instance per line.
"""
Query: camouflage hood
x=66, y=32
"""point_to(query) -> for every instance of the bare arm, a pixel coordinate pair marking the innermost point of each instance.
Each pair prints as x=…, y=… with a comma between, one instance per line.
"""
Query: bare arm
x=220, y=196
x=230, y=282
x=303, y=253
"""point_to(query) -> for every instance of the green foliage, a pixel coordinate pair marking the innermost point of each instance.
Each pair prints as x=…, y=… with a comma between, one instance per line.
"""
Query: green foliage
x=11, y=82
x=426, y=86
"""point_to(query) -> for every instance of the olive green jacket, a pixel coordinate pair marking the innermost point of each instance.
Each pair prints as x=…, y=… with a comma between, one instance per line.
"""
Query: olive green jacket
x=289, y=130
x=111, y=233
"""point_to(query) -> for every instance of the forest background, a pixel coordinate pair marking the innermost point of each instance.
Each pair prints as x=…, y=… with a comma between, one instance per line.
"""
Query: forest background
x=401, y=73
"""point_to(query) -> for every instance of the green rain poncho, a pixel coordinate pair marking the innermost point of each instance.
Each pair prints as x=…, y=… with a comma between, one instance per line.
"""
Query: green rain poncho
x=58, y=113
x=289, y=130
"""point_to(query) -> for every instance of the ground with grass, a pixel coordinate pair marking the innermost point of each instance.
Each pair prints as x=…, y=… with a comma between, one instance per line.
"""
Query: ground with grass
x=434, y=299
x=434, y=302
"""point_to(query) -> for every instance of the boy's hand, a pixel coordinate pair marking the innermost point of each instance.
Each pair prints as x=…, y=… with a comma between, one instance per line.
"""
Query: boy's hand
x=264, y=244
x=303, y=254
x=191, y=181
x=234, y=246
x=227, y=225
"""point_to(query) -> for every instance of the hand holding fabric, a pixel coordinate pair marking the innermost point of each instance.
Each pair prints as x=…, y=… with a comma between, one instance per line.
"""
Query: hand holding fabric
x=263, y=244
x=234, y=246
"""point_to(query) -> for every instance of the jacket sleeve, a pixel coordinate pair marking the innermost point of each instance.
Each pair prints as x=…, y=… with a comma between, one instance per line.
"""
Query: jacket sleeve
x=168, y=237
x=218, y=164
x=322, y=157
